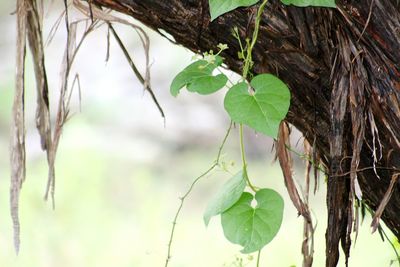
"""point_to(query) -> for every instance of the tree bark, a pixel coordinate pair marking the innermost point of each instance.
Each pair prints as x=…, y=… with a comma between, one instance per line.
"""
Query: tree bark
x=343, y=69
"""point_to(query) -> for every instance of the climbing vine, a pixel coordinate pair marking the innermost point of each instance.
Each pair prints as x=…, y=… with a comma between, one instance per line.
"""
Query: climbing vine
x=260, y=102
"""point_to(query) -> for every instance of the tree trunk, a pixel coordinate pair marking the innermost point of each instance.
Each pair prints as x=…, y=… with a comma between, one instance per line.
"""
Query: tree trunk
x=343, y=69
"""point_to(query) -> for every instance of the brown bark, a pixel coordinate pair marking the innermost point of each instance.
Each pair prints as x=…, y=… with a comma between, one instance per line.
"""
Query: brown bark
x=343, y=69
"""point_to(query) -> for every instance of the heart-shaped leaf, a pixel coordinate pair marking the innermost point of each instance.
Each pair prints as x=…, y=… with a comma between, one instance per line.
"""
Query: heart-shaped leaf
x=264, y=109
x=197, y=77
x=227, y=195
x=219, y=7
x=303, y=3
x=208, y=84
x=250, y=227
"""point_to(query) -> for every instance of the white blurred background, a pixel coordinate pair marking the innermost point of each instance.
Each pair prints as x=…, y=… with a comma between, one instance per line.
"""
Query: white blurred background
x=120, y=172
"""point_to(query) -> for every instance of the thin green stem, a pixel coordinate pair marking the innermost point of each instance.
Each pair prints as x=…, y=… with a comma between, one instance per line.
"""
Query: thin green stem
x=245, y=175
x=235, y=33
x=242, y=146
x=305, y=157
x=182, y=199
x=229, y=80
x=247, y=65
x=249, y=56
x=258, y=258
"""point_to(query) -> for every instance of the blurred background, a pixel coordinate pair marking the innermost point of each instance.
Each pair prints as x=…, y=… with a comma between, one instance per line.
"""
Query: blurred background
x=120, y=171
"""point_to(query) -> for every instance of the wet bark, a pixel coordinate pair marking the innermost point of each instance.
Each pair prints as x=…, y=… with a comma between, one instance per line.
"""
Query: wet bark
x=343, y=69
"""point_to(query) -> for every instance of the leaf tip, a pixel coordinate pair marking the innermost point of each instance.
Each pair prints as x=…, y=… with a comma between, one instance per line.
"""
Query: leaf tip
x=174, y=90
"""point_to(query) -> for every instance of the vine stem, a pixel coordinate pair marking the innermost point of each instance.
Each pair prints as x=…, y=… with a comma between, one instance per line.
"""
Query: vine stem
x=249, y=56
x=244, y=159
x=307, y=158
x=182, y=199
x=248, y=61
x=247, y=65
x=258, y=258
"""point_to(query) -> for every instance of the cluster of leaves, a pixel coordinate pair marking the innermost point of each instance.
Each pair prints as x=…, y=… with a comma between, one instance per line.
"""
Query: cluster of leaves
x=261, y=104
x=243, y=224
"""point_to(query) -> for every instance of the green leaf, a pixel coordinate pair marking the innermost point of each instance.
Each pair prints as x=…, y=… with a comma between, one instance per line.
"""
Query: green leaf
x=219, y=7
x=304, y=3
x=227, y=195
x=264, y=109
x=197, y=77
x=207, y=84
x=250, y=227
